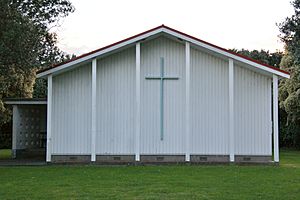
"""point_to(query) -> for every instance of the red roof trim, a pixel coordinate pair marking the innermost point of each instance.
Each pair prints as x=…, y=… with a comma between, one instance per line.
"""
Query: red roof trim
x=174, y=30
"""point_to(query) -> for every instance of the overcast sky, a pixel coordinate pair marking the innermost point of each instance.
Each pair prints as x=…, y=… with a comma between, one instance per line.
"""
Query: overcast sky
x=226, y=23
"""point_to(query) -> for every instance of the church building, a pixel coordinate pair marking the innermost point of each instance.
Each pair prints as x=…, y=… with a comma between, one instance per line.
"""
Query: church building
x=162, y=96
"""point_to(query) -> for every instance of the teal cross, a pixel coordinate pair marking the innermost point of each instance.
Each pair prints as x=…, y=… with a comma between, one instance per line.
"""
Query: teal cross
x=162, y=77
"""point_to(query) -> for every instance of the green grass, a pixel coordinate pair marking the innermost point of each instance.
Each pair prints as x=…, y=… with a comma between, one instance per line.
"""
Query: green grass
x=154, y=182
x=5, y=154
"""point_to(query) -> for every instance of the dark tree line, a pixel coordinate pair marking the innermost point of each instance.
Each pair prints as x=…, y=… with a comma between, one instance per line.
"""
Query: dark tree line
x=26, y=45
x=264, y=56
x=289, y=93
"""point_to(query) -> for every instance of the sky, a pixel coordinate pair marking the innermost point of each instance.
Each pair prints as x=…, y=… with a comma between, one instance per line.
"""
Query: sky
x=226, y=23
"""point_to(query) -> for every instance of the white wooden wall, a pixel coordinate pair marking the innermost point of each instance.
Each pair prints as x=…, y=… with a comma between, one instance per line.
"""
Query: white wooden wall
x=253, y=125
x=71, y=112
x=174, y=97
x=115, y=103
x=209, y=104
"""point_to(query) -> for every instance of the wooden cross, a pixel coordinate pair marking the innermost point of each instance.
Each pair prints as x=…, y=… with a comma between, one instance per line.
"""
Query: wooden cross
x=162, y=77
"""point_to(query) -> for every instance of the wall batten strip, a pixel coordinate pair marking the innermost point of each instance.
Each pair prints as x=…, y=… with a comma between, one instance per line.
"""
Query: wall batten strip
x=49, y=118
x=231, y=110
x=138, y=101
x=275, y=118
x=16, y=121
x=187, y=101
x=94, y=109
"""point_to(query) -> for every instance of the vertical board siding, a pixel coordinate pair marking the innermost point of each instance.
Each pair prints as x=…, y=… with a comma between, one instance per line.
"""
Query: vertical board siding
x=71, y=112
x=252, y=113
x=209, y=104
x=174, y=97
x=116, y=103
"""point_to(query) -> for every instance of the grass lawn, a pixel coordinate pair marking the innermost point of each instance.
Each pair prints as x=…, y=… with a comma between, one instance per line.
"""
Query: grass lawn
x=5, y=154
x=154, y=182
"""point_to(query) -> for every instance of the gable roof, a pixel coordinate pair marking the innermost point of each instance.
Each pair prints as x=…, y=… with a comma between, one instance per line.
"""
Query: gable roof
x=167, y=30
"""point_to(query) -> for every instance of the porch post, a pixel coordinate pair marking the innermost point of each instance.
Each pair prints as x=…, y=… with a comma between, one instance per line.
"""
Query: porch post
x=49, y=118
x=94, y=111
x=137, y=100
x=187, y=101
x=231, y=110
x=275, y=118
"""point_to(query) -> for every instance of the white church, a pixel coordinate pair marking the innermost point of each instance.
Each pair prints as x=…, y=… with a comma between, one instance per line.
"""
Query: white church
x=160, y=96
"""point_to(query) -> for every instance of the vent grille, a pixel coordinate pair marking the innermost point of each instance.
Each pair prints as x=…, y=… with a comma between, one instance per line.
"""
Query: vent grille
x=246, y=159
x=203, y=158
x=73, y=158
x=117, y=158
x=160, y=158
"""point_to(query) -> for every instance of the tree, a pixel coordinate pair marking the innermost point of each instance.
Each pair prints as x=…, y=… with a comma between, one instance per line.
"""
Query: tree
x=290, y=32
x=263, y=56
x=26, y=45
x=289, y=89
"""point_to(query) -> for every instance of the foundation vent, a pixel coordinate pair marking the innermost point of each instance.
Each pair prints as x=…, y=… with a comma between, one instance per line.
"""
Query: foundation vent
x=117, y=158
x=160, y=158
x=203, y=158
x=73, y=158
x=246, y=159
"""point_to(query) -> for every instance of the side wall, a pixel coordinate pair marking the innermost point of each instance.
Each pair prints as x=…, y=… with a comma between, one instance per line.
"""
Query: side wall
x=71, y=112
x=209, y=104
x=252, y=109
x=115, y=103
x=29, y=127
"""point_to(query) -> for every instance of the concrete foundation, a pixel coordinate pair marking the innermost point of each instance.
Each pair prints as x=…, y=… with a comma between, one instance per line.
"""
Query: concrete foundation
x=159, y=159
x=115, y=159
x=210, y=158
x=162, y=158
x=70, y=158
x=252, y=159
